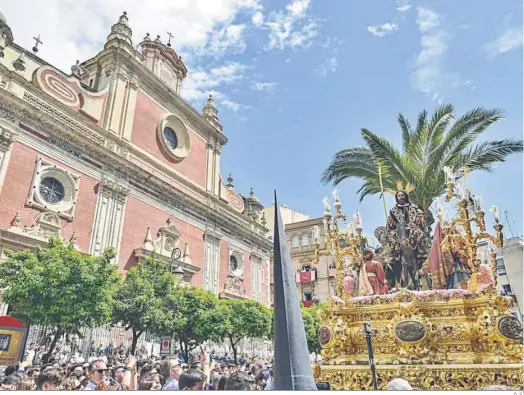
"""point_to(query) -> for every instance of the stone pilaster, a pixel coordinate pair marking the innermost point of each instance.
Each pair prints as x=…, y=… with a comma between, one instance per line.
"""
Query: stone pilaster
x=210, y=281
x=6, y=142
x=109, y=217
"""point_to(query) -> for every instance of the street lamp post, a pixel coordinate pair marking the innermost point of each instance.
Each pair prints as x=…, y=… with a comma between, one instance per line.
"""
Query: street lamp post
x=176, y=267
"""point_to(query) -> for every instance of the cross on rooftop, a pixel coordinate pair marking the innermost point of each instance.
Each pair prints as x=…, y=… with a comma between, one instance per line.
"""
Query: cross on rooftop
x=38, y=41
x=170, y=37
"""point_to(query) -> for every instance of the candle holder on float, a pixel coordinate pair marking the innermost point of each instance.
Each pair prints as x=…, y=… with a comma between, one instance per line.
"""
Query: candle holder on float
x=353, y=238
x=467, y=243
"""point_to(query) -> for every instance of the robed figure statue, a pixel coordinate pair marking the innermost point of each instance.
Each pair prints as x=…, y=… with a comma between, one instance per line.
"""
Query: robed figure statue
x=372, y=279
x=407, y=241
x=447, y=263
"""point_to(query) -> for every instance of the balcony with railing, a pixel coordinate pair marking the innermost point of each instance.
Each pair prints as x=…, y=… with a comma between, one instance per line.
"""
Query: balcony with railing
x=306, y=276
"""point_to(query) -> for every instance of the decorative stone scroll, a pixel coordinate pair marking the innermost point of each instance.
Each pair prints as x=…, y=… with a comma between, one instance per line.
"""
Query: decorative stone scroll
x=166, y=240
x=47, y=226
x=69, y=92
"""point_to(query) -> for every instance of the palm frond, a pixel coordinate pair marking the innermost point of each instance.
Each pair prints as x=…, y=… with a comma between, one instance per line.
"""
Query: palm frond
x=407, y=133
x=464, y=132
x=353, y=162
x=367, y=189
x=439, y=122
x=485, y=155
x=386, y=153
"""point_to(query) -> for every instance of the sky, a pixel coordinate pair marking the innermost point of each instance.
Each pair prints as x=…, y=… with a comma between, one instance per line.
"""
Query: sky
x=296, y=80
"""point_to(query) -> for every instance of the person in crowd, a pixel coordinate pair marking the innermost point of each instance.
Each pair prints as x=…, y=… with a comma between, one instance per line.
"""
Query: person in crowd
x=191, y=380
x=12, y=382
x=214, y=380
x=49, y=380
x=72, y=384
x=240, y=381
x=270, y=386
x=171, y=370
x=222, y=383
x=398, y=385
x=147, y=372
x=97, y=374
x=28, y=384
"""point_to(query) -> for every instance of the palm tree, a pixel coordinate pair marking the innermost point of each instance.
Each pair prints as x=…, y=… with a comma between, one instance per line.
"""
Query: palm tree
x=425, y=151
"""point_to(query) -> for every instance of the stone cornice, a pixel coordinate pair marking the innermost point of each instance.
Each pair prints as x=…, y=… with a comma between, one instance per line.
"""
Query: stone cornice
x=15, y=110
x=157, y=89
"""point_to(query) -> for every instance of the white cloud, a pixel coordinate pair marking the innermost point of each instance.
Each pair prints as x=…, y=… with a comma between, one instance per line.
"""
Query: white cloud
x=403, y=5
x=201, y=83
x=230, y=38
x=292, y=27
x=298, y=8
x=329, y=66
x=429, y=75
x=427, y=19
x=78, y=30
x=258, y=19
x=233, y=106
x=382, y=30
x=509, y=40
x=264, y=86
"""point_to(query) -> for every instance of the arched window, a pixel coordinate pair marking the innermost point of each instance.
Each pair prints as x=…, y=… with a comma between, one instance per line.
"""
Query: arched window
x=295, y=241
x=305, y=239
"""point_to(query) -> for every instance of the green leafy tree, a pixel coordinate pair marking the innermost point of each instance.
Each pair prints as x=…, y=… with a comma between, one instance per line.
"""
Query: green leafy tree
x=59, y=287
x=142, y=300
x=311, y=325
x=198, y=317
x=247, y=319
x=434, y=143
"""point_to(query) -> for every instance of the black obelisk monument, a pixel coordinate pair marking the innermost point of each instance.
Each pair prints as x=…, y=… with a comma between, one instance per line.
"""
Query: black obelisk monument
x=292, y=366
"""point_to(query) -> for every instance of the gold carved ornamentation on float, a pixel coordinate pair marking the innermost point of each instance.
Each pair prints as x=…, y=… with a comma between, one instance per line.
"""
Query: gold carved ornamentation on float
x=442, y=339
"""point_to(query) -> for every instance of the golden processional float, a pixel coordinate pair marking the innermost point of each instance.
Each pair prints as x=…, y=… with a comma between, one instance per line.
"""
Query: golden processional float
x=460, y=335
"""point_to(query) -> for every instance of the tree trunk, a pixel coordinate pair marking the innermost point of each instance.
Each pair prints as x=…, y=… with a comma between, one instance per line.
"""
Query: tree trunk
x=136, y=336
x=186, y=353
x=46, y=357
x=234, y=347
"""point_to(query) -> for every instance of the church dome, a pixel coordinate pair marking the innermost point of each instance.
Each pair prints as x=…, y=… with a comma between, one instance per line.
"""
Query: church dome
x=253, y=205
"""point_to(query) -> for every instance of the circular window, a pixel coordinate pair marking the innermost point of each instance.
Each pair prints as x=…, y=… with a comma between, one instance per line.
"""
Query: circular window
x=233, y=263
x=236, y=266
x=51, y=190
x=170, y=137
x=55, y=189
x=174, y=137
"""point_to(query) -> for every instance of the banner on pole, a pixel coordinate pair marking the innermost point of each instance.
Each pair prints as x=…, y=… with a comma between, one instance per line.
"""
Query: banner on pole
x=165, y=346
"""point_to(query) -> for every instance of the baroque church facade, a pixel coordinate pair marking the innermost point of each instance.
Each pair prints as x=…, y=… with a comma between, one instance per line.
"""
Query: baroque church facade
x=112, y=156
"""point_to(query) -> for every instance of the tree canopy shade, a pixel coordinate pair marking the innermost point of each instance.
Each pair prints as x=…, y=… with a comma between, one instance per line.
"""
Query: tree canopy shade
x=142, y=300
x=434, y=143
x=59, y=287
x=198, y=317
x=247, y=319
x=311, y=326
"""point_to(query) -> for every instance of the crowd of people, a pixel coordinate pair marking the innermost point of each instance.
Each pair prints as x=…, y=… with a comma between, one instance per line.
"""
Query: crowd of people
x=115, y=369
